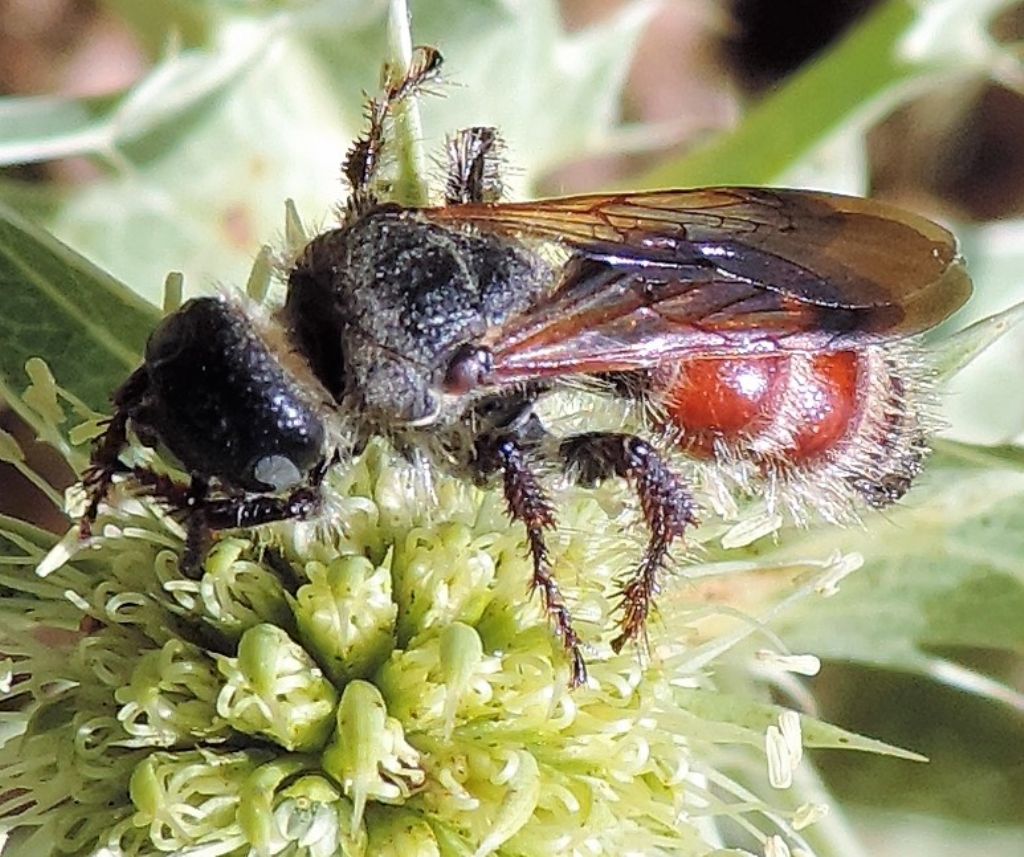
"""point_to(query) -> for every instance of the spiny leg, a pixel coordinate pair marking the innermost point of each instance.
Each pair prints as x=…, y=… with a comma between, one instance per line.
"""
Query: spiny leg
x=667, y=505
x=103, y=465
x=104, y=462
x=205, y=516
x=362, y=162
x=527, y=503
x=474, y=158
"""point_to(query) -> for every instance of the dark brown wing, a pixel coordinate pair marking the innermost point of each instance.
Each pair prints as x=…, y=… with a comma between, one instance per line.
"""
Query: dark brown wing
x=649, y=276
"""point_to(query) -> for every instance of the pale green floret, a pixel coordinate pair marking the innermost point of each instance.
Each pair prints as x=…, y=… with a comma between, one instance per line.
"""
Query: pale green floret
x=400, y=833
x=171, y=697
x=346, y=614
x=191, y=796
x=451, y=565
x=382, y=683
x=279, y=807
x=369, y=755
x=237, y=592
x=274, y=689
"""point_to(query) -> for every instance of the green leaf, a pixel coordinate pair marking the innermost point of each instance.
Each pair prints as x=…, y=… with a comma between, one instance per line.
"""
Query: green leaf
x=888, y=57
x=943, y=568
x=89, y=327
x=755, y=717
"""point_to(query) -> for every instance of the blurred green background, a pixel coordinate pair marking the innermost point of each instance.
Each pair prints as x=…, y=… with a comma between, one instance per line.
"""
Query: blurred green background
x=165, y=136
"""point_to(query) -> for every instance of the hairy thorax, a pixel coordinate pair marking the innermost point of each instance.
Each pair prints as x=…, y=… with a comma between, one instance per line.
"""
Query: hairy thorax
x=385, y=303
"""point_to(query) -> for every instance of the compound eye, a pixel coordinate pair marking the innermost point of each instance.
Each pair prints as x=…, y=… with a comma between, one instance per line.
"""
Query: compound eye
x=277, y=471
x=468, y=370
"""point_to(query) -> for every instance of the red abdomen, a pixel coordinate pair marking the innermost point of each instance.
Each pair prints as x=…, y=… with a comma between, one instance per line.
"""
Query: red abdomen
x=795, y=407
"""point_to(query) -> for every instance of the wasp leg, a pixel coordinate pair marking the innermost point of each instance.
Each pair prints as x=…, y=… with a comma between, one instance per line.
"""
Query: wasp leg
x=528, y=503
x=474, y=159
x=245, y=512
x=205, y=516
x=362, y=162
x=666, y=501
x=104, y=462
x=238, y=513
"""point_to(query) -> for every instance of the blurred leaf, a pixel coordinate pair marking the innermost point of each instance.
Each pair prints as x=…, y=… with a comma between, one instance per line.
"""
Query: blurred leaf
x=973, y=747
x=899, y=834
x=205, y=150
x=238, y=155
x=754, y=718
x=888, y=57
x=18, y=538
x=218, y=117
x=565, y=100
x=40, y=128
x=954, y=453
x=189, y=21
x=982, y=611
x=90, y=328
x=976, y=406
x=862, y=67
x=944, y=568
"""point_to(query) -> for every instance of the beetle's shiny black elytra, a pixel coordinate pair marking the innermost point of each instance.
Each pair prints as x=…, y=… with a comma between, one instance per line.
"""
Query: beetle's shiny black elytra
x=757, y=329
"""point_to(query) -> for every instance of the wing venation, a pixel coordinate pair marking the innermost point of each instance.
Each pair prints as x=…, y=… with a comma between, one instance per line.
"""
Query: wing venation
x=652, y=276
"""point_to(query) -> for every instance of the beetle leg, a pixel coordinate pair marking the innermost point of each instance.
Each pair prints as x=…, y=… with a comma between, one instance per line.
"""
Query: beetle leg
x=242, y=513
x=528, y=503
x=104, y=463
x=666, y=501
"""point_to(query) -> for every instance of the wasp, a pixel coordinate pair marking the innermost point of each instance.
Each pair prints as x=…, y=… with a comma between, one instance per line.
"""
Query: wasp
x=761, y=331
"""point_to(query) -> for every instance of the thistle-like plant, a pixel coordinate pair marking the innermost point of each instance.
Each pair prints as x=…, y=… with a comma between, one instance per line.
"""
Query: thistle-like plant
x=387, y=685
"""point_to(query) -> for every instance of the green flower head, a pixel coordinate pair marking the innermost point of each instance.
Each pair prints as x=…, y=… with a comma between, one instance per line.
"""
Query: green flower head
x=381, y=681
x=384, y=686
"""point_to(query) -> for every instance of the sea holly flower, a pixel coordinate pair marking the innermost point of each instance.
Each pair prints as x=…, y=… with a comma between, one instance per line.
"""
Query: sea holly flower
x=381, y=682
x=384, y=685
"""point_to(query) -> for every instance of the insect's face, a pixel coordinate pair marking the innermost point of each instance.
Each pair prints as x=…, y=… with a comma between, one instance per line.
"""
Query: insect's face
x=219, y=398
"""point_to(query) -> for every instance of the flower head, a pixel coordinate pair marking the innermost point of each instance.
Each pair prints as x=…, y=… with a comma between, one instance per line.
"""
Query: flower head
x=384, y=685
